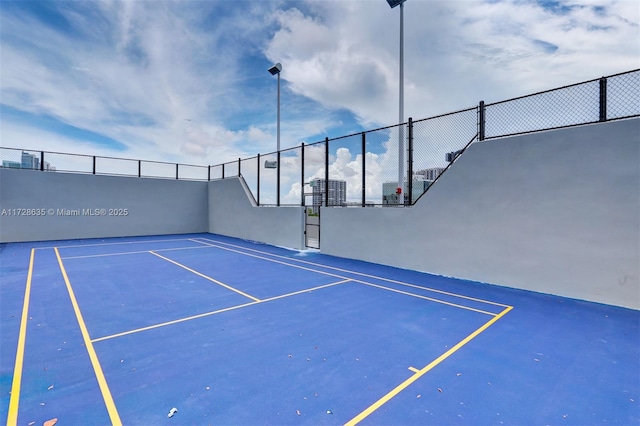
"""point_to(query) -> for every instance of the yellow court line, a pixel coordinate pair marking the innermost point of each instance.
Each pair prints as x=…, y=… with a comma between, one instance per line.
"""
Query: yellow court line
x=361, y=274
x=205, y=277
x=206, y=314
x=12, y=418
x=102, y=382
x=373, y=407
x=455, y=305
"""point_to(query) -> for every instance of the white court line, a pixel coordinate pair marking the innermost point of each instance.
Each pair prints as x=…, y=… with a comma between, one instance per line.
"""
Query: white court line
x=206, y=314
x=365, y=275
x=134, y=252
x=122, y=242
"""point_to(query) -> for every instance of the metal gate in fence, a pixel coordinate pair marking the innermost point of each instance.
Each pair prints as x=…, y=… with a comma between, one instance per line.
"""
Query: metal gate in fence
x=311, y=225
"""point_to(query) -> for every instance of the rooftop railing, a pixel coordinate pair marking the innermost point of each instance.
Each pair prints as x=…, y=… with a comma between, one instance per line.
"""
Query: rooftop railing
x=368, y=161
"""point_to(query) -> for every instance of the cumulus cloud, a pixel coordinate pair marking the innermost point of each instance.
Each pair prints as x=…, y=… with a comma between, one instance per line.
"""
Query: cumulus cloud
x=135, y=72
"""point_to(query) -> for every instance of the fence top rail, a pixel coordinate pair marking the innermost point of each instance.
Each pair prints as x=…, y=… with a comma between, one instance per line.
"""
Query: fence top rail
x=447, y=114
x=100, y=156
x=340, y=137
x=563, y=87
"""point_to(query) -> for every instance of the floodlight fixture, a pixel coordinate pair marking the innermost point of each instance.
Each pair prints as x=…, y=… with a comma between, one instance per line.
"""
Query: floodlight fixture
x=275, y=69
x=394, y=3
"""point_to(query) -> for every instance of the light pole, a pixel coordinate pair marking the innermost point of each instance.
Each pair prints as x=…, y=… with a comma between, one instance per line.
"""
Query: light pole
x=400, y=189
x=275, y=70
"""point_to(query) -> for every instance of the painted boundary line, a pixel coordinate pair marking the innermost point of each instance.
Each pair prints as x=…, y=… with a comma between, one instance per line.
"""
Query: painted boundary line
x=125, y=253
x=14, y=401
x=206, y=314
x=228, y=287
x=367, y=283
x=357, y=273
x=214, y=243
x=114, y=244
x=419, y=373
x=102, y=382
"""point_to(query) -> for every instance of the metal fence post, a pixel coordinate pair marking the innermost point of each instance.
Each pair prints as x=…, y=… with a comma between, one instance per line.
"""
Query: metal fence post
x=364, y=169
x=239, y=162
x=258, y=178
x=94, y=164
x=222, y=170
x=209, y=173
x=177, y=167
x=302, y=174
x=326, y=171
x=410, y=161
x=139, y=168
x=481, y=122
x=603, y=99
x=278, y=181
x=41, y=161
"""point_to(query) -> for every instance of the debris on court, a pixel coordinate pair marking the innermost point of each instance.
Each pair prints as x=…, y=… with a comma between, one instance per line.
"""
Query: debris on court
x=418, y=396
x=329, y=412
x=173, y=411
x=440, y=390
x=50, y=422
x=50, y=387
x=298, y=412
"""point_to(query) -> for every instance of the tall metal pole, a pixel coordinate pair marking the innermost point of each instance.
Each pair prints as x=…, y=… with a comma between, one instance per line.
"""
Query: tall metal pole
x=400, y=189
x=278, y=124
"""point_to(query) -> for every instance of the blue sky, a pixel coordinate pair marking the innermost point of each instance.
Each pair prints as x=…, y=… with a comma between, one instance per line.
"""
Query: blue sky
x=186, y=81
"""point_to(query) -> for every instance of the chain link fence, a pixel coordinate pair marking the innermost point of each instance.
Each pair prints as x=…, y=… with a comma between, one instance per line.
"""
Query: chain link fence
x=362, y=169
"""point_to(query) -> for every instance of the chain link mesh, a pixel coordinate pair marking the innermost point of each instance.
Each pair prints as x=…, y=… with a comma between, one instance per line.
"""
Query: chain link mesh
x=562, y=107
x=381, y=163
x=314, y=168
x=345, y=171
x=249, y=171
x=290, y=175
x=436, y=141
x=623, y=95
x=268, y=179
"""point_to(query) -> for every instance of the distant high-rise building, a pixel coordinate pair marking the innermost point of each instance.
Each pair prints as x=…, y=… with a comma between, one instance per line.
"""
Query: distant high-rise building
x=29, y=161
x=429, y=174
x=337, y=190
x=10, y=164
x=418, y=186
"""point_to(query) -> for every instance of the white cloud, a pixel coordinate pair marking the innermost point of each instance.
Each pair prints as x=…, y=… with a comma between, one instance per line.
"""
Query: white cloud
x=136, y=71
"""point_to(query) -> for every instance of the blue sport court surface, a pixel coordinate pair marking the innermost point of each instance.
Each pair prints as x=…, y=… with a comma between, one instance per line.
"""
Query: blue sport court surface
x=230, y=332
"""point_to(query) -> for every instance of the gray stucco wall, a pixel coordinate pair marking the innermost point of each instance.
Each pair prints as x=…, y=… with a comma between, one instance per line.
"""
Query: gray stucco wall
x=153, y=206
x=556, y=212
x=233, y=212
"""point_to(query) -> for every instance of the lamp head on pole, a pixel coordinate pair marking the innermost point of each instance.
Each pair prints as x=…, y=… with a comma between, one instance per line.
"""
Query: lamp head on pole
x=394, y=3
x=275, y=69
